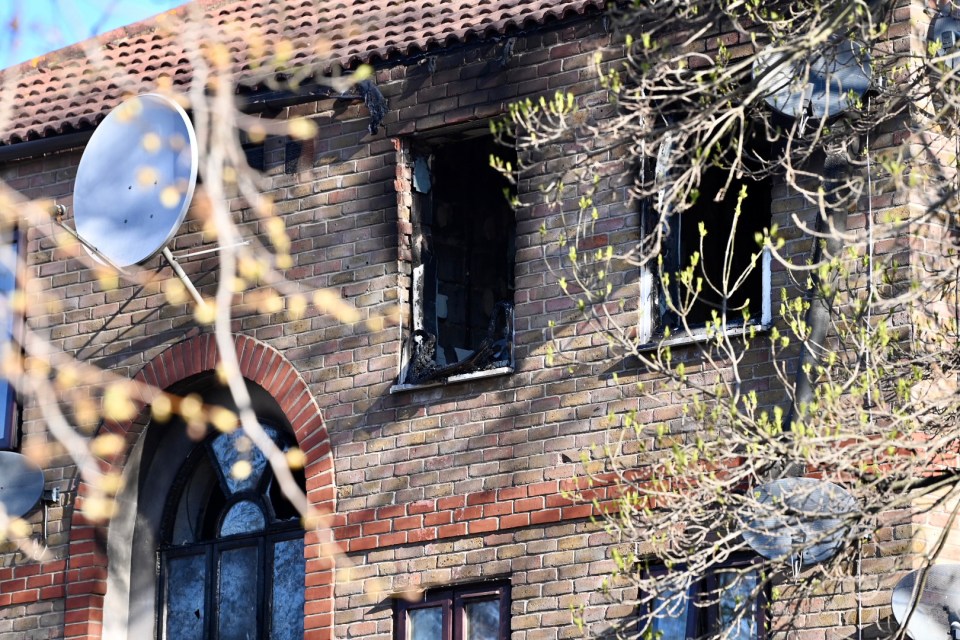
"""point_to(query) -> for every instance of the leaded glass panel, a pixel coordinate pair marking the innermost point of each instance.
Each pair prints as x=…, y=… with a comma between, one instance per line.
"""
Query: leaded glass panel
x=186, y=585
x=237, y=613
x=243, y=517
x=289, y=567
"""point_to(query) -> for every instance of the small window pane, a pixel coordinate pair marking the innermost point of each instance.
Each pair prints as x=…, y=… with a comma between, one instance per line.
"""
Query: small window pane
x=233, y=447
x=237, y=617
x=736, y=592
x=482, y=619
x=186, y=577
x=425, y=623
x=670, y=612
x=289, y=568
x=243, y=517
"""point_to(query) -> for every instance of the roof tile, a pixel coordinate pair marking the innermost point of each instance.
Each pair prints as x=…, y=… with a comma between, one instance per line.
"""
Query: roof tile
x=75, y=87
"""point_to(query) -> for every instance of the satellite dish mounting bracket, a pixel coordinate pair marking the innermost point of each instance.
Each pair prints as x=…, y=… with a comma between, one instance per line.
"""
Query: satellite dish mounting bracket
x=59, y=211
x=184, y=278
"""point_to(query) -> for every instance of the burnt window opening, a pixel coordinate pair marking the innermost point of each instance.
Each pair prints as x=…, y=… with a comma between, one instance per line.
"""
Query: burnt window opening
x=720, y=272
x=462, y=249
x=684, y=242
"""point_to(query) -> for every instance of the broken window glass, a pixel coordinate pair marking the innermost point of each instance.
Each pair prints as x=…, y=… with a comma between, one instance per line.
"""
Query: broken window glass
x=463, y=249
x=237, y=607
x=233, y=447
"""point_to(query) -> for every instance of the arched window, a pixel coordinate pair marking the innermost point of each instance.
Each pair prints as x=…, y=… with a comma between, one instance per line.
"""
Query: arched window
x=230, y=557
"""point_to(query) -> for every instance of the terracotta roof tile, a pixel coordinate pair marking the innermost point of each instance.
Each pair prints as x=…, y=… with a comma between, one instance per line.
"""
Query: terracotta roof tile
x=74, y=88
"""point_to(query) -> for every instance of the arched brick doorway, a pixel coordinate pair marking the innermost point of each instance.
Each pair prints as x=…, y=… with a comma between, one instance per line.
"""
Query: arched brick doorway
x=87, y=564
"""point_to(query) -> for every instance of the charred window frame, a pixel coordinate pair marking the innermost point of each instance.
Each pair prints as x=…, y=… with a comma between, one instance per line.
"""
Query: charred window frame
x=12, y=328
x=467, y=612
x=231, y=560
x=462, y=248
x=682, y=240
x=734, y=595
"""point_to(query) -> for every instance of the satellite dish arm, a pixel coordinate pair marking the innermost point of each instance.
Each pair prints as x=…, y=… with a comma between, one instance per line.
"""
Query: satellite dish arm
x=59, y=211
x=184, y=278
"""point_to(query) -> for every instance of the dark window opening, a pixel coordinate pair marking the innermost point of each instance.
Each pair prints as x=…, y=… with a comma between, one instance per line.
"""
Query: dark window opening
x=721, y=290
x=231, y=563
x=463, y=254
x=731, y=600
x=470, y=612
x=723, y=271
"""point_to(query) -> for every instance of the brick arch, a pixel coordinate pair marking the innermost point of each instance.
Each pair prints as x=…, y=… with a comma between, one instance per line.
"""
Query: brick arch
x=86, y=567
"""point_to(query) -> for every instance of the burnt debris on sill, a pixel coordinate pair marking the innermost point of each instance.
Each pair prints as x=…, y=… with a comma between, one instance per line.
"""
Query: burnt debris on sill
x=495, y=352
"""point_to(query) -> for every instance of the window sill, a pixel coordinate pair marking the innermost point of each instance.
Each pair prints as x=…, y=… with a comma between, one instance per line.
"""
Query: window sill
x=697, y=336
x=463, y=377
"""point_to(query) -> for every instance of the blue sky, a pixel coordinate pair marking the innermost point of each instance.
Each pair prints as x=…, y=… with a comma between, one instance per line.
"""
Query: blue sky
x=29, y=28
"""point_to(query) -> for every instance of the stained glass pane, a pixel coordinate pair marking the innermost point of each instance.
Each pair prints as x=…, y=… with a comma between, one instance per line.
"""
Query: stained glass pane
x=425, y=623
x=186, y=578
x=737, y=592
x=237, y=616
x=289, y=568
x=670, y=611
x=482, y=619
x=231, y=448
x=243, y=517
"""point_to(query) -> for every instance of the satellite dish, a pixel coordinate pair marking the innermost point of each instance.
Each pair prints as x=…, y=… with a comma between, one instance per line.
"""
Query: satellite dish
x=935, y=609
x=786, y=90
x=135, y=180
x=822, y=87
x=945, y=29
x=800, y=517
x=21, y=483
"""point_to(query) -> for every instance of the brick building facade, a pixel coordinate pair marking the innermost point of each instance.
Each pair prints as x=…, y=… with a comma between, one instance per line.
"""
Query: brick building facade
x=440, y=488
